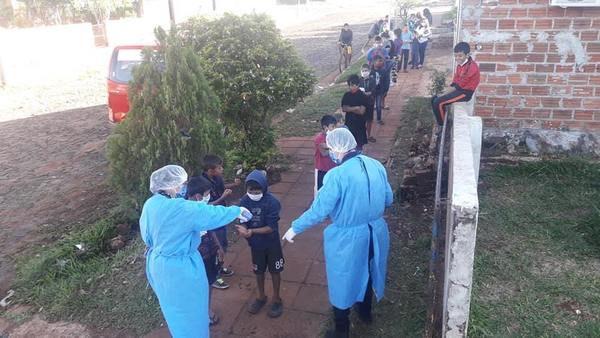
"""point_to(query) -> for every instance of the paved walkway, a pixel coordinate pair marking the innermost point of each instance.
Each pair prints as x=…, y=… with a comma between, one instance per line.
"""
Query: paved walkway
x=304, y=286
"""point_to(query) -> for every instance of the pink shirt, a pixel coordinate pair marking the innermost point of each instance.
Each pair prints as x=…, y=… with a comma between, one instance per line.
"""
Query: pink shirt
x=322, y=163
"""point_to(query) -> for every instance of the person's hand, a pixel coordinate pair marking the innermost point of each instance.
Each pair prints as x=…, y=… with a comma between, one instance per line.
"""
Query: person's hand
x=243, y=231
x=245, y=215
x=227, y=192
x=221, y=255
x=289, y=235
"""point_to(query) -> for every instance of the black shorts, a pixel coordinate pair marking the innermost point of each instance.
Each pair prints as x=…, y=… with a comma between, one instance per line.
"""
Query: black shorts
x=270, y=257
x=212, y=267
x=369, y=112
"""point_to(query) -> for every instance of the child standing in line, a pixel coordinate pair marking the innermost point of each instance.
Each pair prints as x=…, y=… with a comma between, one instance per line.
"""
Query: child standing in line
x=406, y=36
x=198, y=189
x=262, y=233
x=367, y=86
x=212, y=166
x=323, y=162
x=382, y=84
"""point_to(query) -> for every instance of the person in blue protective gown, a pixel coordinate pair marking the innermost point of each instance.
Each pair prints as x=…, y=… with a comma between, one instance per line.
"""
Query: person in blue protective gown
x=171, y=229
x=356, y=244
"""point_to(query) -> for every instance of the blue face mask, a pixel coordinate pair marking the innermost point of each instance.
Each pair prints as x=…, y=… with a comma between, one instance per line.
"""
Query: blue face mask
x=334, y=159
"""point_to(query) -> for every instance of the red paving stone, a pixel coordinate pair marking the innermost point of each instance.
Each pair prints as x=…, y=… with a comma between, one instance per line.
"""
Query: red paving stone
x=304, y=286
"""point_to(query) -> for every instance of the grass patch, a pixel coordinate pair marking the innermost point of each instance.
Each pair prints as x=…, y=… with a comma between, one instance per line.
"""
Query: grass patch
x=97, y=287
x=403, y=311
x=537, y=264
x=353, y=69
x=306, y=117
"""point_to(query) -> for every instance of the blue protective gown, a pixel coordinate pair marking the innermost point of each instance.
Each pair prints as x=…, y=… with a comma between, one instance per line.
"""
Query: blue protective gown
x=344, y=197
x=171, y=227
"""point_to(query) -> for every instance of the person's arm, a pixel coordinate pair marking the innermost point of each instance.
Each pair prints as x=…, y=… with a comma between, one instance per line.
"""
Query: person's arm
x=322, y=206
x=271, y=217
x=236, y=183
x=360, y=110
x=221, y=200
x=323, y=149
x=209, y=217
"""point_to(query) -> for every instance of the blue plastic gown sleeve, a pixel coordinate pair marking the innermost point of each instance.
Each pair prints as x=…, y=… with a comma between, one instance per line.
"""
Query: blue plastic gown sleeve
x=322, y=206
x=209, y=217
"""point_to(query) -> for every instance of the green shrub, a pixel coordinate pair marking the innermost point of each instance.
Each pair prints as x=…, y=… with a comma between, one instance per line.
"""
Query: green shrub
x=438, y=82
x=255, y=73
x=174, y=119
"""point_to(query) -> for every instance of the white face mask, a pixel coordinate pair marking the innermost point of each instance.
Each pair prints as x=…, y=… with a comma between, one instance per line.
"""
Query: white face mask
x=364, y=74
x=204, y=199
x=255, y=198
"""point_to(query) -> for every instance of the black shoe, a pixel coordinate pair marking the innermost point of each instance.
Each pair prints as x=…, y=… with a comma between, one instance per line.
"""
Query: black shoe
x=366, y=318
x=225, y=272
x=276, y=310
x=256, y=305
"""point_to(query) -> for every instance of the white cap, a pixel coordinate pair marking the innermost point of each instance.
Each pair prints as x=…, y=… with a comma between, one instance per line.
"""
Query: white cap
x=340, y=140
x=168, y=177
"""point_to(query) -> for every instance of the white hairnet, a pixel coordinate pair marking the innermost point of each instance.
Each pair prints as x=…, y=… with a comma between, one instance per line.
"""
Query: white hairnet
x=168, y=177
x=340, y=140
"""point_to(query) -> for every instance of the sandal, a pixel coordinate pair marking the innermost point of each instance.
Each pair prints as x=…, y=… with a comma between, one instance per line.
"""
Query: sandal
x=256, y=305
x=276, y=310
x=213, y=320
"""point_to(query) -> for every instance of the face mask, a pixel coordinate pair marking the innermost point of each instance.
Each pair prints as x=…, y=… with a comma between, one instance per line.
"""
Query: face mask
x=255, y=198
x=334, y=159
x=364, y=74
x=205, y=199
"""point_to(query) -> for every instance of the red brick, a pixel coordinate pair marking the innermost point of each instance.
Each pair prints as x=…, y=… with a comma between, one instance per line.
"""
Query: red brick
x=543, y=23
x=536, y=78
x=521, y=90
x=500, y=67
x=556, y=12
x=542, y=2
x=506, y=24
x=595, y=79
x=520, y=47
x=496, y=79
x=571, y=103
x=591, y=103
x=589, y=36
x=487, y=67
x=550, y=102
x=488, y=24
x=497, y=102
x=597, y=115
x=527, y=2
x=587, y=69
x=553, y=58
x=522, y=112
x=498, y=12
x=579, y=79
x=486, y=89
x=485, y=47
x=536, y=57
x=562, y=23
x=573, y=12
x=583, y=91
x=484, y=111
x=481, y=100
x=469, y=24
x=545, y=68
x=502, y=90
x=526, y=24
x=557, y=79
x=532, y=101
x=562, y=114
x=596, y=23
x=552, y=124
x=593, y=47
x=541, y=113
x=514, y=78
x=502, y=112
x=572, y=125
x=564, y=69
x=518, y=12
x=504, y=2
x=502, y=47
x=594, y=58
x=517, y=57
x=485, y=57
x=490, y=123
x=537, y=12
x=540, y=47
x=592, y=126
x=591, y=12
x=584, y=115
x=540, y=90
x=582, y=23
x=524, y=68
x=560, y=90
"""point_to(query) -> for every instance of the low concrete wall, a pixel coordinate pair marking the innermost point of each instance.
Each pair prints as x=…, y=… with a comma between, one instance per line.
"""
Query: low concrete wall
x=461, y=224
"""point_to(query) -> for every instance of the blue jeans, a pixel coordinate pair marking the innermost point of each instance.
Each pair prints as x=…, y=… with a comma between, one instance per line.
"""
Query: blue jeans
x=422, y=47
x=378, y=107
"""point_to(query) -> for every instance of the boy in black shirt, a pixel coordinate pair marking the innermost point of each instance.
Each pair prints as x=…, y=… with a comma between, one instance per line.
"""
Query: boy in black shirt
x=262, y=233
x=367, y=86
x=354, y=104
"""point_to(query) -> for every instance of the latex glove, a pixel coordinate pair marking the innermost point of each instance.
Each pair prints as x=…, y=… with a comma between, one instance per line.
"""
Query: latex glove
x=289, y=235
x=245, y=215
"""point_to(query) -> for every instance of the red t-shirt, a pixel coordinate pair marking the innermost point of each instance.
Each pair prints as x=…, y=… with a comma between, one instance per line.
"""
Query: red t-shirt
x=322, y=163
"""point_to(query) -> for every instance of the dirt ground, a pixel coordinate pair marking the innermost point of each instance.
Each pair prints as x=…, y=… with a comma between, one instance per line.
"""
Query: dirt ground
x=52, y=164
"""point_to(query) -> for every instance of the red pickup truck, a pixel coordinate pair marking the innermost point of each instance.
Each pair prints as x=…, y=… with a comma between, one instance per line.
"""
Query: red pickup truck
x=122, y=62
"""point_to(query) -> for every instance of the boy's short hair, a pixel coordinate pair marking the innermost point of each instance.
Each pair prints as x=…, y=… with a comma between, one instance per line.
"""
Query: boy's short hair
x=385, y=35
x=353, y=80
x=327, y=120
x=197, y=185
x=462, y=47
x=378, y=38
x=253, y=185
x=339, y=117
x=346, y=24
x=378, y=57
x=211, y=162
x=397, y=32
x=365, y=65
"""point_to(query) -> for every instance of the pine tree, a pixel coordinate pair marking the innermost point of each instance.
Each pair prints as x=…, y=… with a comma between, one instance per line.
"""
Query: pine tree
x=174, y=119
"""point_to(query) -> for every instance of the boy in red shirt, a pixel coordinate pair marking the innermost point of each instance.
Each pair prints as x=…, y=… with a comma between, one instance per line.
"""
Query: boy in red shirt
x=465, y=81
x=323, y=162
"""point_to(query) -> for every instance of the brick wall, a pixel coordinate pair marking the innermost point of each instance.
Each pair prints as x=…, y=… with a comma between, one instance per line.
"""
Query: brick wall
x=533, y=73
